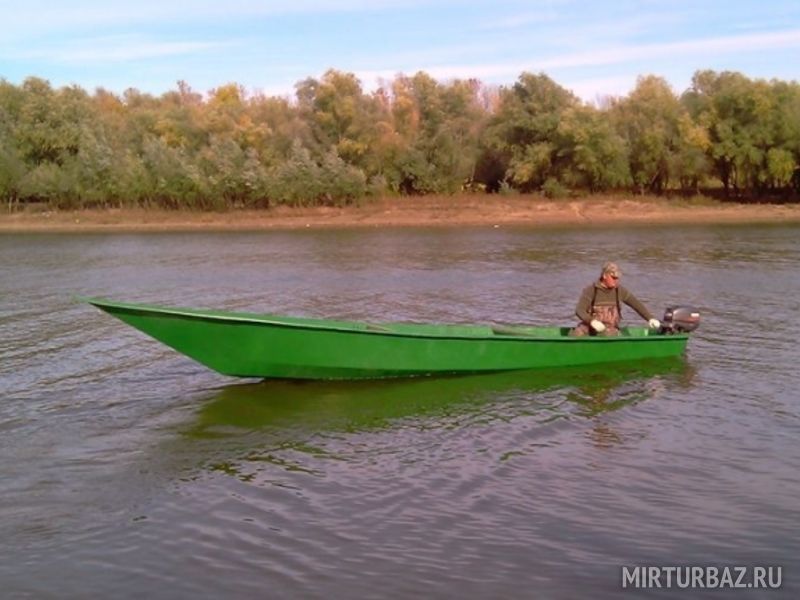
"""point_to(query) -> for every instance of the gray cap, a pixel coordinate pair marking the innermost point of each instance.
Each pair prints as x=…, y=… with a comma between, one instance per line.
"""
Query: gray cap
x=611, y=268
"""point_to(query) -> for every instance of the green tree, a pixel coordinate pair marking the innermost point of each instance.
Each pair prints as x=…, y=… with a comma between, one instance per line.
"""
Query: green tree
x=783, y=159
x=49, y=123
x=279, y=125
x=179, y=117
x=590, y=154
x=662, y=146
x=334, y=143
x=232, y=173
x=173, y=180
x=523, y=132
x=743, y=120
x=303, y=181
x=781, y=167
x=12, y=166
x=338, y=113
x=436, y=131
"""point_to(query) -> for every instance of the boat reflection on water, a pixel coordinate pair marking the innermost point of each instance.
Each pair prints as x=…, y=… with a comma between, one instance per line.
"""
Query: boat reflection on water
x=256, y=431
x=286, y=406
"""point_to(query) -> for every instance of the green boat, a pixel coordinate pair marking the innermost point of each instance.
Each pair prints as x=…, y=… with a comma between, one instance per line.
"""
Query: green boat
x=269, y=346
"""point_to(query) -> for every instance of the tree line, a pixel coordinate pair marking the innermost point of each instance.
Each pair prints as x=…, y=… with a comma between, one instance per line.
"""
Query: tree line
x=334, y=143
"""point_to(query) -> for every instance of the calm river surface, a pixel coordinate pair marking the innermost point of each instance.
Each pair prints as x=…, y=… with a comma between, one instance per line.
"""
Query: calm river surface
x=128, y=471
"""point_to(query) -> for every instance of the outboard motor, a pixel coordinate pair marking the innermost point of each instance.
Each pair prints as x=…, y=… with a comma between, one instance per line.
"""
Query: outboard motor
x=680, y=319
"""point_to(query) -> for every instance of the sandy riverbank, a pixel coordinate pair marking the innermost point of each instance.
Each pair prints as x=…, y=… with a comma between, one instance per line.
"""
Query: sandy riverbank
x=396, y=212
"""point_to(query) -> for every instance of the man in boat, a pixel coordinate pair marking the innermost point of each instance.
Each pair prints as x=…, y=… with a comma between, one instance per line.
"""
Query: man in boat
x=599, y=307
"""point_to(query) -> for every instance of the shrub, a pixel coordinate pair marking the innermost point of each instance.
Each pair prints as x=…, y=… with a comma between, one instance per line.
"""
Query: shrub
x=554, y=189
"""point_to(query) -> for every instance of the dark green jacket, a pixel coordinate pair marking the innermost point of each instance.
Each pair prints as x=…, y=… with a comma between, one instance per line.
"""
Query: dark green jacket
x=604, y=296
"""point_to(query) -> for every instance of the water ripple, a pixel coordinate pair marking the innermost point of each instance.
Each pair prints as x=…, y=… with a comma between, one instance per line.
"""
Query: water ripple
x=131, y=471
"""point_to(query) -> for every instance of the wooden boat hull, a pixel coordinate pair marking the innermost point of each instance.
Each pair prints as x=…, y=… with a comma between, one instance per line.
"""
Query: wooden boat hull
x=267, y=346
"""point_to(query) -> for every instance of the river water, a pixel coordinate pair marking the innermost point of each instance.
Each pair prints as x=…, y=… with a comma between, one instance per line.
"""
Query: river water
x=129, y=471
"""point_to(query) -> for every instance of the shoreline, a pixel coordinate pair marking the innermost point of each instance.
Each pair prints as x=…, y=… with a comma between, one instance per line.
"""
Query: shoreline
x=483, y=210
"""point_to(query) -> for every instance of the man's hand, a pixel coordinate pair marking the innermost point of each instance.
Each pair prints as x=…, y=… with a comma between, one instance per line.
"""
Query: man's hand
x=597, y=326
x=654, y=324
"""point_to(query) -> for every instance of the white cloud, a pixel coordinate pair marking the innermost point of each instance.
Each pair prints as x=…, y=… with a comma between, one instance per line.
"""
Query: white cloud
x=41, y=16
x=595, y=89
x=587, y=87
x=610, y=56
x=599, y=51
x=703, y=47
x=521, y=20
x=114, y=49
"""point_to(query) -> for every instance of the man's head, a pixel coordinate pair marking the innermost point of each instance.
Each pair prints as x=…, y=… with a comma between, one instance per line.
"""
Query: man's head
x=610, y=275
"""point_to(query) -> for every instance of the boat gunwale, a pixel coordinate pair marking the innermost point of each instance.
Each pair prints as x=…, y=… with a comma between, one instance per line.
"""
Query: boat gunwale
x=379, y=329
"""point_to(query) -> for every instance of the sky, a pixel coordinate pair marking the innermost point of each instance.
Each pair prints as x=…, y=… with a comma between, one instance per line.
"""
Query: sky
x=594, y=48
